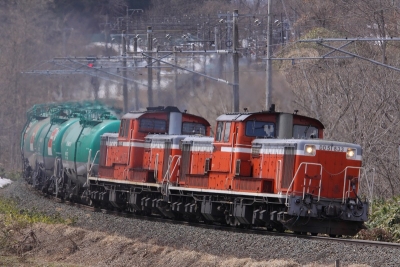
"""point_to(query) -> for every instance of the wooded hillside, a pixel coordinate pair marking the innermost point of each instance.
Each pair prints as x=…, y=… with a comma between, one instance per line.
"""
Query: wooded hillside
x=357, y=98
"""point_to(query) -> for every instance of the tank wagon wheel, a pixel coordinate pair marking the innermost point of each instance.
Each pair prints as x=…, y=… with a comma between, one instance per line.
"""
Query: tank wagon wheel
x=313, y=234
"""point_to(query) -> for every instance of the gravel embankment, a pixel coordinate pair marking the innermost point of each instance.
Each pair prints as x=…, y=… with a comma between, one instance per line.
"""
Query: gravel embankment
x=214, y=242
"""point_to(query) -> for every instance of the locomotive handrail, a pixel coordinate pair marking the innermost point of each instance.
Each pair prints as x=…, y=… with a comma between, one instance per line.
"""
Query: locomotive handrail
x=295, y=175
x=176, y=164
x=89, y=165
x=261, y=165
x=129, y=150
x=309, y=183
x=170, y=159
x=349, y=185
x=150, y=157
x=155, y=167
x=94, y=159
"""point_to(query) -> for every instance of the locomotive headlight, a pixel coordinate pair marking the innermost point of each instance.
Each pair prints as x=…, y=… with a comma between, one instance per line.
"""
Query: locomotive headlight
x=351, y=153
x=309, y=150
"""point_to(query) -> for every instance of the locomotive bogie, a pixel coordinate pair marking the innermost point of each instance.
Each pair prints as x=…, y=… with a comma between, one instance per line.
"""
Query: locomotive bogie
x=325, y=216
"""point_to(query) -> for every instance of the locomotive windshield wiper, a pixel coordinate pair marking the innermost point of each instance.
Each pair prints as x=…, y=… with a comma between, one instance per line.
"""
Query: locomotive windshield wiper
x=305, y=132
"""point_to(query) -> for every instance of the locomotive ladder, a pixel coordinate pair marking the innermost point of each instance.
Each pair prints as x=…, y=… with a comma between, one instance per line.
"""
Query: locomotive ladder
x=349, y=189
x=306, y=177
x=167, y=174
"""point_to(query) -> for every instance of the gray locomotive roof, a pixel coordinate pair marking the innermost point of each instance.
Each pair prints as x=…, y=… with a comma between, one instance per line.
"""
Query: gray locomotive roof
x=234, y=117
x=194, y=138
x=131, y=115
x=244, y=116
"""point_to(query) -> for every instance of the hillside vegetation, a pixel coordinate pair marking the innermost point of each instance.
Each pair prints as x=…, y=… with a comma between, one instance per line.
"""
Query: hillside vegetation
x=356, y=98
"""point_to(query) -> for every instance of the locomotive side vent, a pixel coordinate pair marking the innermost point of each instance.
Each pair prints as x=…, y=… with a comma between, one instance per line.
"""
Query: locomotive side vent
x=207, y=165
x=237, y=169
x=255, y=150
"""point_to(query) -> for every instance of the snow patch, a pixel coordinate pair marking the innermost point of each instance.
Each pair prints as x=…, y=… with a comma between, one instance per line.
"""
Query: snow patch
x=4, y=182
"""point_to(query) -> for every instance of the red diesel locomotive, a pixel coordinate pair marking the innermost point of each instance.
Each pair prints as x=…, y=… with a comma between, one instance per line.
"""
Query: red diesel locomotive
x=266, y=169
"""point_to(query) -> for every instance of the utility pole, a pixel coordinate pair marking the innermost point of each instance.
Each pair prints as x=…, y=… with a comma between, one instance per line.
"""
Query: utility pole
x=269, y=66
x=125, y=82
x=176, y=77
x=64, y=39
x=235, y=62
x=229, y=18
x=158, y=72
x=135, y=40
x=149, y=67
x=216, y=39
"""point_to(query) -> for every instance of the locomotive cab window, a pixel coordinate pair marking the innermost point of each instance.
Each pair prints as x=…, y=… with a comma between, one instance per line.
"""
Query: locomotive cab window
x=305, y=131
x=223, y=131
x=153, y=126
x=220, y=128
x=260, y=129
x=124, y=128
x=227, y=131
x=193, y=128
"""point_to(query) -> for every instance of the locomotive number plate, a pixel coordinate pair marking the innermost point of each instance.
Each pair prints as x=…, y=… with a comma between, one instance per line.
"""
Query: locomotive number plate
x=331, y=148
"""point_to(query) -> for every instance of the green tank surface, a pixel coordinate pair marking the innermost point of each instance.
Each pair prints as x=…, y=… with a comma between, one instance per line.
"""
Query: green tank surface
x=38, y=122
x=37, y=118
x=31, y=141
x=82, y=139
x=49, y=141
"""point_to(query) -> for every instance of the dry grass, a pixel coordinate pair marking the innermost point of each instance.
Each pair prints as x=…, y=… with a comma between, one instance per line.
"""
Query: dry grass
x=65, y=246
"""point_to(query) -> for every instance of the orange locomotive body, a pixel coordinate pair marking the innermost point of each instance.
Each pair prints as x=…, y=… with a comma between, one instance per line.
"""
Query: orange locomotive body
x=265, y=169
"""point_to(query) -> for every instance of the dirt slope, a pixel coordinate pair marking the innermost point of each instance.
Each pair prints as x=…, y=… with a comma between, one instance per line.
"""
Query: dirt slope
x=61, y=245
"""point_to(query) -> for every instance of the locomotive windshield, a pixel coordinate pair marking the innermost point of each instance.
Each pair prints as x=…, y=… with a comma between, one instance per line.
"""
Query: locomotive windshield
x=153, y=126
x=304, y=131
x=260, y=129
x=193, y=128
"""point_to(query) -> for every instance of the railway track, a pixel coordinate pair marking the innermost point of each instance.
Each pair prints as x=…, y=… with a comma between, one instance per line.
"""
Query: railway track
x=218, y=241
x=257, y=231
